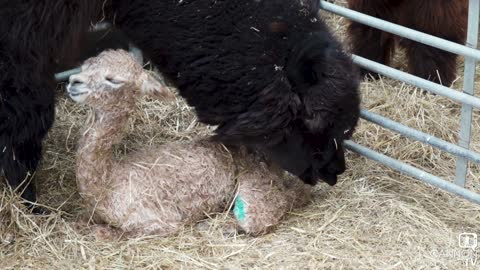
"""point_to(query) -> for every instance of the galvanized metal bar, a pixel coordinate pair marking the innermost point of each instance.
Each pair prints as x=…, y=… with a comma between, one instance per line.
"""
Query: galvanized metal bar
x=417, y=81
x=63, y=76
x=412, y=171
x=401, y=30
x=468, y=88
x=420, y=136
x=136, y=52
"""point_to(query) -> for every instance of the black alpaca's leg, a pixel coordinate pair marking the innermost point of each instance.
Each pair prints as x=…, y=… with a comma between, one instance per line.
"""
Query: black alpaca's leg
x=26, y=115
x=19, y=163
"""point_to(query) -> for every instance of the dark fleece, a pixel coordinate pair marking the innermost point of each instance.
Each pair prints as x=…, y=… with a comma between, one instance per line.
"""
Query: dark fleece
x=33, y=35
x=268, y=73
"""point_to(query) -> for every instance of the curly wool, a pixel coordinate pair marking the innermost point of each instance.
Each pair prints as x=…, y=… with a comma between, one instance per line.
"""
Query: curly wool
x=268, y=73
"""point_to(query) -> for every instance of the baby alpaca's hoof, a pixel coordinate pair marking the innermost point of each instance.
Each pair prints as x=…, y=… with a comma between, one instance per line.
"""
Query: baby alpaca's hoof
x=254, y=220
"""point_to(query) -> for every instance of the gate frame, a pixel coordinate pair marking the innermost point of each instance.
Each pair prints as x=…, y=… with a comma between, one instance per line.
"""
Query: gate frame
x=466, y=98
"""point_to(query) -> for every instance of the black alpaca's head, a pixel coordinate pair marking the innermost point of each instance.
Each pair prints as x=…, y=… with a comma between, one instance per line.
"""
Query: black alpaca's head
x=327, y=83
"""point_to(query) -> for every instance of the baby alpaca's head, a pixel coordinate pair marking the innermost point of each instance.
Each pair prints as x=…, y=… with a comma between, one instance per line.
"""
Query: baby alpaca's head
x=113, y=79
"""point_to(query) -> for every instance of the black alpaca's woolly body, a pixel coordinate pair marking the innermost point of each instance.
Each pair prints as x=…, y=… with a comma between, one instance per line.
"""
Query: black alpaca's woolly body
x=33, y=36
x=442, y=18
x=268, y=73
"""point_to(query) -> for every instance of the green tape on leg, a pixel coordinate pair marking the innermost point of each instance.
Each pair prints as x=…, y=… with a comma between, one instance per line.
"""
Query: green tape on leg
x=239, y=209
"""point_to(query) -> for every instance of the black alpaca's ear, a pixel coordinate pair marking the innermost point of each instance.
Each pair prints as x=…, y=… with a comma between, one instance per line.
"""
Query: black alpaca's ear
x=302, y=65
x=305, y=71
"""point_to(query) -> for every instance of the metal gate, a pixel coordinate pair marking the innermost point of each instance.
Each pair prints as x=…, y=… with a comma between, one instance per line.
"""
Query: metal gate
x=466, y=98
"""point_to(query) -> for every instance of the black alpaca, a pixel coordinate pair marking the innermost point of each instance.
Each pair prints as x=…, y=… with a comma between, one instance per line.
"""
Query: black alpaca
x=33, y=36
x=268, y=73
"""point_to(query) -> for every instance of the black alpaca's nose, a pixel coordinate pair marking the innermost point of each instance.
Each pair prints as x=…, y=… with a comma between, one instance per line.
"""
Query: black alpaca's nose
x=337, y=163
x=334, y=167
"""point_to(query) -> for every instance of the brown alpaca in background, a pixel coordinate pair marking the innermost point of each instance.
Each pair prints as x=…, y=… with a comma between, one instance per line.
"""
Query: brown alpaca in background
x=446, y=19
x=160, y=189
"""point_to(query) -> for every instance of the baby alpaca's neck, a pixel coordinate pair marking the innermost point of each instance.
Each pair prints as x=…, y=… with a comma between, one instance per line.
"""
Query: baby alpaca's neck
x=94, y=157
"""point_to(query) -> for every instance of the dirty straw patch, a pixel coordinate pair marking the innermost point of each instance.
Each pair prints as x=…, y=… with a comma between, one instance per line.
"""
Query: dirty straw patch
x=373, y=219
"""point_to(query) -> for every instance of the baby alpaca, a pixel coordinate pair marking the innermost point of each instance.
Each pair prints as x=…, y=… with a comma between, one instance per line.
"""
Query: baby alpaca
x=157, y=191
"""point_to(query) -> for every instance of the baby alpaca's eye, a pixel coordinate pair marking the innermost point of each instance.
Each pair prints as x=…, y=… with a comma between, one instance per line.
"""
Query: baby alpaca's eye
x=113, y=80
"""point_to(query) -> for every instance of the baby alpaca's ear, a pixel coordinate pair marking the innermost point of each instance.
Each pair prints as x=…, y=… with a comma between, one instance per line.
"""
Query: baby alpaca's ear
x=149, y=85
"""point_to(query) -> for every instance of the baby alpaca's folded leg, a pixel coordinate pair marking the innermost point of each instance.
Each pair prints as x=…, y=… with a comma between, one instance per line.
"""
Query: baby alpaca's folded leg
x=261, y=204
x=259, y=207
